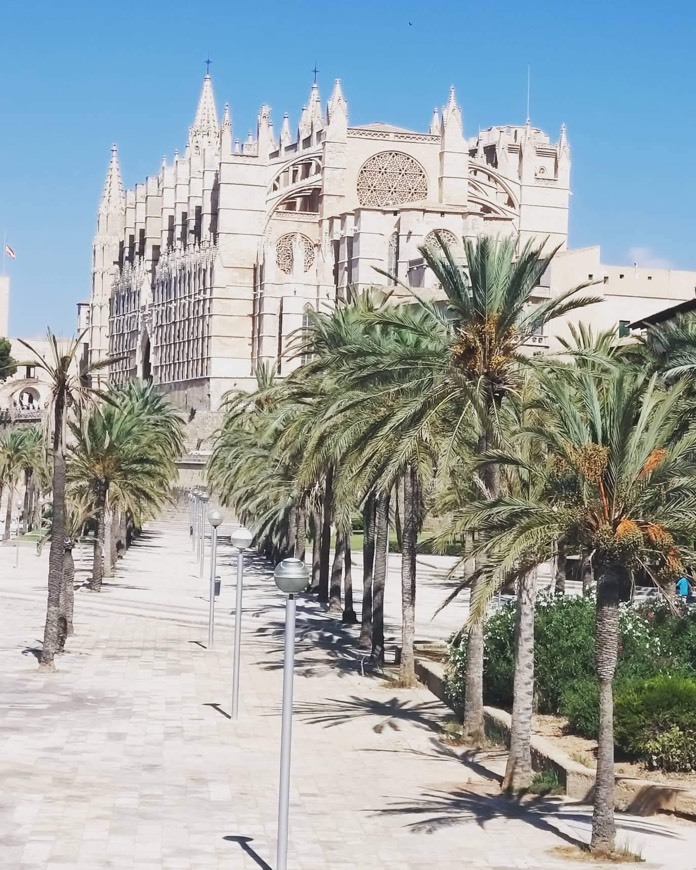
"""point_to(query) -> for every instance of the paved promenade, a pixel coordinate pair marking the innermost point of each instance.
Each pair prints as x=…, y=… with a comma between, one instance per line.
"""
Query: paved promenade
x=126, y=758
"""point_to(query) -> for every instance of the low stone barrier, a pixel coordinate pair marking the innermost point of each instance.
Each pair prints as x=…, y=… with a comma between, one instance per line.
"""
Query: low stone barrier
x=639, y=796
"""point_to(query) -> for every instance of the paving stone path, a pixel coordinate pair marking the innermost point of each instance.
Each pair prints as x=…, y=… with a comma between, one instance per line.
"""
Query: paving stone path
x=126, y=758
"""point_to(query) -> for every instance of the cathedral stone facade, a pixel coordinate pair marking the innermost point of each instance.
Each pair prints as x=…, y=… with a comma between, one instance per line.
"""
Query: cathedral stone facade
x=203, y=271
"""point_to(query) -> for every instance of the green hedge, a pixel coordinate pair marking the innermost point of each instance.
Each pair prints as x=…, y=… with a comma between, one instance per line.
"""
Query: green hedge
x=655, y=686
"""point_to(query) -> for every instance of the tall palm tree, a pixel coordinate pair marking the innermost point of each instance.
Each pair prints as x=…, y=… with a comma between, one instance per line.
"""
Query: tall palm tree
x=70, y=388
x=619, y=481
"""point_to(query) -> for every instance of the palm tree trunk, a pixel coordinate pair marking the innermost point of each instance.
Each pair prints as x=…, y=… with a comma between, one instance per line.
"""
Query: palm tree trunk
x=326, y=537
x=98, y=558
x=27, y=500
x=301, y=535
x=407, y=671
x=108, y=541
x=349, y=615
x=365, y=640
x=56, y=555
x=561, y=568
x=67, y=598
x=474, y=725
x=397, y=519
x=337, y=573
x=609, y=579
x=292, y=530
x=380, y=576
x=518, y=772
x=314, y=528
x=8, y=513
x=69, y=584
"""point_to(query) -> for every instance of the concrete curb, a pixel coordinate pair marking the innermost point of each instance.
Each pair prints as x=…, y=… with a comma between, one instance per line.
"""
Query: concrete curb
x=640, y=796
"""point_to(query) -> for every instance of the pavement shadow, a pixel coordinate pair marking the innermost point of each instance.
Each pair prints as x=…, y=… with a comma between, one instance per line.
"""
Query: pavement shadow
x=243, y=843
x=445, y=809
x=391, y=714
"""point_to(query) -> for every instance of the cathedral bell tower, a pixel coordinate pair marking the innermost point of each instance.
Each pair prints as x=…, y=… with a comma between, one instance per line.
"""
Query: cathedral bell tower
x=106, y=256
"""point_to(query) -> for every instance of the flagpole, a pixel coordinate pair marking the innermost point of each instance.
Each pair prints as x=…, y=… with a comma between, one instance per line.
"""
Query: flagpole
x=4, y=250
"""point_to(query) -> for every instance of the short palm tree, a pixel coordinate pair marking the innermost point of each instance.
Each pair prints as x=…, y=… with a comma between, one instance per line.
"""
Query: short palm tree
x=122, y=456
x=13, y=460
x=70, y=388
x=618, y=482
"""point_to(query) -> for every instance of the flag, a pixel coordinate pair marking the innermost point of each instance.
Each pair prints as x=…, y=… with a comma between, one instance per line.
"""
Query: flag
x=10, y=253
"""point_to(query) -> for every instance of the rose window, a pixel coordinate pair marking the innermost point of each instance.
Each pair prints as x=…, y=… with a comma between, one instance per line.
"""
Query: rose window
x=391, y=178
x=291, y=245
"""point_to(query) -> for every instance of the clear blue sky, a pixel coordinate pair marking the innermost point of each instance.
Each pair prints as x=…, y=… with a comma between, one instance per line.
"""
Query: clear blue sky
x=77, y=76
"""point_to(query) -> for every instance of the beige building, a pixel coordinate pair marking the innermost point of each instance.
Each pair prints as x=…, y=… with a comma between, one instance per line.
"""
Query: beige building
x=203, y=270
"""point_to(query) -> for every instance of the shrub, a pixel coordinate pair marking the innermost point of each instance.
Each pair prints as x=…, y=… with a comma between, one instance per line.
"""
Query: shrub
x=580, y=705
x=646, y=710
x=673, y=751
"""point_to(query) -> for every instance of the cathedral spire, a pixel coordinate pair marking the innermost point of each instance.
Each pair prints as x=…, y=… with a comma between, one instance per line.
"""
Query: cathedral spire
x=452, y=114
x=337, y=105
x=563, y=140
x=435, y=128
x=205, y=130
x=113, y=198
x=315, y=114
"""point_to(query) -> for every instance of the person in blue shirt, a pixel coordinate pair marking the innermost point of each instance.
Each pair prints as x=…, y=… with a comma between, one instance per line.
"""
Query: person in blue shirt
x=683, y=587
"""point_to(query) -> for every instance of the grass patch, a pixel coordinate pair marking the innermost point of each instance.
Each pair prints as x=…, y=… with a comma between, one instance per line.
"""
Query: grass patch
x=545, y=782
x=623, y=855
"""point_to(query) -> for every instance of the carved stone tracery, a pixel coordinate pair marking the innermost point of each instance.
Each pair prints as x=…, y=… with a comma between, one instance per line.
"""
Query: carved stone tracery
x=447, y=237
x=391, y=178
x=293, y=245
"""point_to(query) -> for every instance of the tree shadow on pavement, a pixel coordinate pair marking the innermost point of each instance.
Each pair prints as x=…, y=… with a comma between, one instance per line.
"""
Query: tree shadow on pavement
x=439, y=808
x=391, y=713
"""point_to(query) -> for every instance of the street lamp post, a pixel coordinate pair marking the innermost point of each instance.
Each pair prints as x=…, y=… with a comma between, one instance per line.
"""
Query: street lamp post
x=291, y=576
x=191, y=502
x=240, y=538
x=204, y=501
x=215, y=518
x=194, y=538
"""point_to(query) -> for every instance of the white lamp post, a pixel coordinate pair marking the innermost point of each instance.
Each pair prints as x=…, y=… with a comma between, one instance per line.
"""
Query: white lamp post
x=291, y=576
x=240, y=538
x=191, y=503
x=204, y=501
x=196, y=512
x=215, y=518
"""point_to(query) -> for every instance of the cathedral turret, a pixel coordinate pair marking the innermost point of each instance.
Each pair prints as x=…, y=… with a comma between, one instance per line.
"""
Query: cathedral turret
x=563, y=158
x=454, y=157
x=337, y=106
x=226, y=131
x=337, y=113
x=316, y=116
x=205, y=130
x=285, y=134
x=435, y=126
x=264, y=132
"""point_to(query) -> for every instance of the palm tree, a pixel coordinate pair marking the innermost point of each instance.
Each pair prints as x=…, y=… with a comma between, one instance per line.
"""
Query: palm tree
x=122, y=457
x=433, y=374
x=13, y=456
x=69, y=381
x=619, y=481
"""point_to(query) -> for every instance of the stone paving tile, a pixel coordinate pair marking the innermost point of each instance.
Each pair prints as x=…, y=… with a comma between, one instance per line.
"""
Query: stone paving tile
x=126, y=759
